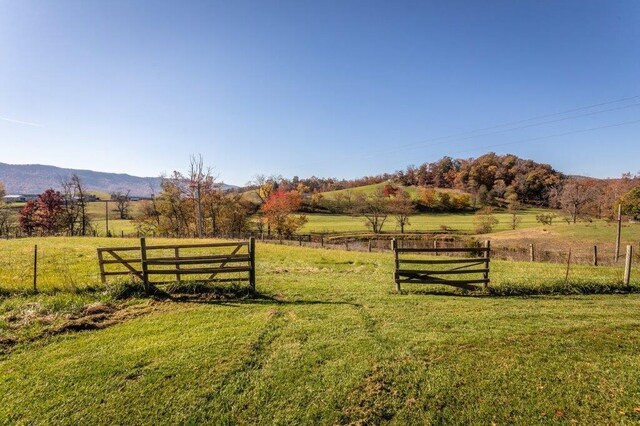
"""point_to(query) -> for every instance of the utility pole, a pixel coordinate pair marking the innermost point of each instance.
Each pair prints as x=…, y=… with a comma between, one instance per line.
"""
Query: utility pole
x=106, y=213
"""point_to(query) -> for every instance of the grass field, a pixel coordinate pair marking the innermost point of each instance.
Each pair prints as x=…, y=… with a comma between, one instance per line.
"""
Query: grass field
x=329, y=341
x=460, y=222
x=69, y=264
x=371, y=189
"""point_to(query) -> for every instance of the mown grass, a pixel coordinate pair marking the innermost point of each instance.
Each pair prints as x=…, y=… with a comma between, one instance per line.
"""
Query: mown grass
x=330, y=342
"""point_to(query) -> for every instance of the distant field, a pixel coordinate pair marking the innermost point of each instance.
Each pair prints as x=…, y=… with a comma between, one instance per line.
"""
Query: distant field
x=117, y=226
x=460, y=222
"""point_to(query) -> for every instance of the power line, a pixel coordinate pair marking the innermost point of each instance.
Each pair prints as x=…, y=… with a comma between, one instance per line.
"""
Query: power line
x=473, y=136
x=573, y=132
x=472, y=133
x=539, y=117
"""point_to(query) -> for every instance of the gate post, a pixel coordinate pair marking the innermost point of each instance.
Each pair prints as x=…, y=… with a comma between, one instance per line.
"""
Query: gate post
x=252, y=259
x=396, y=278
x=145, y=267
x=487, y=256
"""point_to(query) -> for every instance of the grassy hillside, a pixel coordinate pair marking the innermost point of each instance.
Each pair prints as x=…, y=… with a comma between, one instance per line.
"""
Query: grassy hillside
x=329, y=341
x=371, y=189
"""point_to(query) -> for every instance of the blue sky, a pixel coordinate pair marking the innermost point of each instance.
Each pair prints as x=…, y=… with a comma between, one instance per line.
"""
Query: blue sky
x=344, y=88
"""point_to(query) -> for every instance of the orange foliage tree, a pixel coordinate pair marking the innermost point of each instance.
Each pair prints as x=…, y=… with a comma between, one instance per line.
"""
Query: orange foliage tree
x=279, y=209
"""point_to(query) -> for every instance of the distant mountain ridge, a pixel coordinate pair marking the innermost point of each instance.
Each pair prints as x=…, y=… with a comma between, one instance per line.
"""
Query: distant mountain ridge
x=36, y=178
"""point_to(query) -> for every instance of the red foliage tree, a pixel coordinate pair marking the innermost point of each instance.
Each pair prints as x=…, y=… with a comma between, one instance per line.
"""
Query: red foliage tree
x=390, y=190
x=29, y=217
x=278, y=210
x=49, y=212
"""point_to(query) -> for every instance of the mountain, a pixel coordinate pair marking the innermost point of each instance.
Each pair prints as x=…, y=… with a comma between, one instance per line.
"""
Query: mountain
x=36, y=178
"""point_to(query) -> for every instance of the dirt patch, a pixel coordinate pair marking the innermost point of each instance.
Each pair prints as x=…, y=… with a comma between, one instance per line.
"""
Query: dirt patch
x=98, y=316
x=374, y=401
x=98, y=308
x=523, y=234
x=91, y=317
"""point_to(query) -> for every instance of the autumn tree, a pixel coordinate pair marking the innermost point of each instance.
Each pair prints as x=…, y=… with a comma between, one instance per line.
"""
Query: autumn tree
x=28, y=217
x=49, y=212
x=401, y=206
x=233, y=214
x=264, y=187
x=316, y=200
x=630, y=203
x=176, y=211
x=390, y=189
x=428, y=197
x=278, y=211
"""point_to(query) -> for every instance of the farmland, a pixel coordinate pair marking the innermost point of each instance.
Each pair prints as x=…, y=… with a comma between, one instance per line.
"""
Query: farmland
x=326, y=340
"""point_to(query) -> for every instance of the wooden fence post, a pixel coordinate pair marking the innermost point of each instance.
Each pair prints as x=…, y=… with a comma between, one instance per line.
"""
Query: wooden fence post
x=143, y=262
x=177, y=256
x=435, y=245
x=35, y=268
x=252, y=257
x=299, y=240
x=103, y=277
x=627, y=266
x=396, y=279
x=369, y=246
x=595, y=255
x=322, y=241
x=532, y=253
x=566, y=277
x=487, y=257
x=617, y=255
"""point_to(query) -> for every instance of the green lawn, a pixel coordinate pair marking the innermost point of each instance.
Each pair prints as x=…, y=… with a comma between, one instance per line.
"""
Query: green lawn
x=330, y=342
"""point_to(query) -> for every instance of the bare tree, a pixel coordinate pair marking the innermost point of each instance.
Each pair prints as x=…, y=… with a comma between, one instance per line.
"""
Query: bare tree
x=401, y=206
x=196, y=181
x=575, y=195
x=75, y=217
x=123, y=203
x=374, y=208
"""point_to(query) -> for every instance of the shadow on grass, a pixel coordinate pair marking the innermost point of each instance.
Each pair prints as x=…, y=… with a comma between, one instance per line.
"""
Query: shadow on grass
x=518, y=291
x=227, y=295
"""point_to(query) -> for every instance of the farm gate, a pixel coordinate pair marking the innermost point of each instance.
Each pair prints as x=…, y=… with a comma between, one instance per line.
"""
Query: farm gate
x=466, y=265
x=147, y=261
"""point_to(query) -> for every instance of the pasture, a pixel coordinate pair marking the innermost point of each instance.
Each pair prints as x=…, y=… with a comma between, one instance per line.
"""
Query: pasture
x=428, y=222
x=326, y=340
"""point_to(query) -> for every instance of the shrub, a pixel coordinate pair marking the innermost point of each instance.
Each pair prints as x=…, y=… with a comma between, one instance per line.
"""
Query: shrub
x=484, y=221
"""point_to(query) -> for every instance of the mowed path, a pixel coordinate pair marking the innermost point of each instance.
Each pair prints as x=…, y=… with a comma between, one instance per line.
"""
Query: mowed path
x=331, y=343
